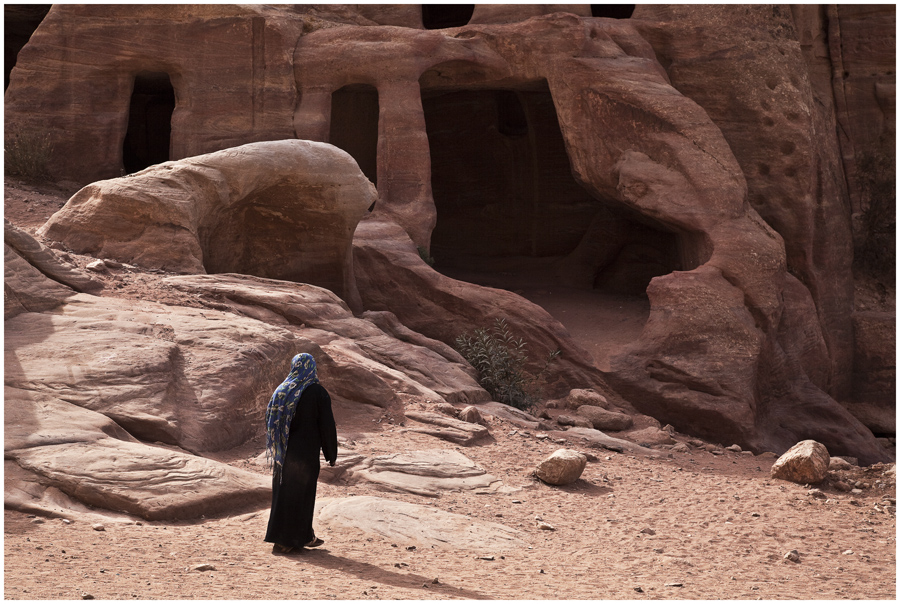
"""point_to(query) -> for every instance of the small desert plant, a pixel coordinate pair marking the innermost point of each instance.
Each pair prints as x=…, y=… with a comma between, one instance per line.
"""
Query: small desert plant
x=500, y=358
x=424, y=255
x=27, y=154
x=876, y=239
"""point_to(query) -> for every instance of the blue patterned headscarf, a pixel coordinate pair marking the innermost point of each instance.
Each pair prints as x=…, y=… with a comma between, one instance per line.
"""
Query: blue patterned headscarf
x=282, y=405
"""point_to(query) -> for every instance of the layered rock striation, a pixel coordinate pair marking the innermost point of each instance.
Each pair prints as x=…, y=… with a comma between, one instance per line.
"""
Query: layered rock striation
x=698, y=157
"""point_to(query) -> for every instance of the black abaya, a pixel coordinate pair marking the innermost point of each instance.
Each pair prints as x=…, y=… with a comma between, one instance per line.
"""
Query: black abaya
x=294, y=496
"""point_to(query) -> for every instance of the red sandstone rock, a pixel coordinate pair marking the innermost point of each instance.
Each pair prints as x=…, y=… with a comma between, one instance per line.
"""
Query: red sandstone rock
x=283, y=210
x=703, y=145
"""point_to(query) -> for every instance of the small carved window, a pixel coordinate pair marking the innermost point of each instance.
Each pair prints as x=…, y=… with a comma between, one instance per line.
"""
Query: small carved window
x=612, y=11
x=441, y=16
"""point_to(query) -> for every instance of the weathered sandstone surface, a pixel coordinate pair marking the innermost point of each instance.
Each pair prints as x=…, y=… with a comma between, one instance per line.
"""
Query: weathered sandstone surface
x=160, y=384
x=314, y=160
x=89, y=459
x=418, y=524
x=283, y=210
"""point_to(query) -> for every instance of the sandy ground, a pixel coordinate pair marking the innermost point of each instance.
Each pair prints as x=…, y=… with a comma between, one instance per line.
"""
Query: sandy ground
x=693, y=525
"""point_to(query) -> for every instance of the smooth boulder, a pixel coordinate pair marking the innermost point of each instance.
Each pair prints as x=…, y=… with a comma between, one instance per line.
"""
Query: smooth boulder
x=602, y=419
x=562, y=467
x=806, y=462
x=278, y=209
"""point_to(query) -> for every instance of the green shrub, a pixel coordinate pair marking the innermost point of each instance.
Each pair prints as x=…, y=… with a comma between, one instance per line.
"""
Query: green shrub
x=500, y=359
x=27, y=154
x=424, y=255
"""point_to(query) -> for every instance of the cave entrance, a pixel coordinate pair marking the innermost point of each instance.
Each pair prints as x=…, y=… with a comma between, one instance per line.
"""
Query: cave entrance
x=612, y=11
x=506, y=197
x=354, y=125
x=19, y=22
x=510, y=214
x=442, y=16
x=149, y=121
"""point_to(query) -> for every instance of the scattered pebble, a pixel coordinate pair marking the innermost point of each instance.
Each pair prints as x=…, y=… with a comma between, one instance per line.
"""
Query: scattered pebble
x=37, y=521
x=544, y=526
x=97, y=266
x=648, y=531
x=98, y=527
x=87, y=596
x=638, y=589
x=491, y=558
x=204, y=567
x=674, y=584
x=793, y=556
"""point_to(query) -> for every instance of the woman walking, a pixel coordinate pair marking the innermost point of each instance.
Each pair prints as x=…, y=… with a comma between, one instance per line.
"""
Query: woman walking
x=299, y=423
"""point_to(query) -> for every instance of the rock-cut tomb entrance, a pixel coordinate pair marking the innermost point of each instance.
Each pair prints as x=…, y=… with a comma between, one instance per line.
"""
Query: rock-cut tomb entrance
x=511, y=214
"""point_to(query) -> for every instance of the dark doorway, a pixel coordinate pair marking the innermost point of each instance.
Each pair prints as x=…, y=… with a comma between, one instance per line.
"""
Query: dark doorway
x=149, y=121
x=354, y=125
x=507, y=201
x=612, y=11
x=500, y=176
x=19, y=22
x=441, y=16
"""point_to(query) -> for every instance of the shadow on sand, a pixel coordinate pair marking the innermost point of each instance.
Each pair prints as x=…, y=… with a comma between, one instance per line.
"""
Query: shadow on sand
x=370, y=572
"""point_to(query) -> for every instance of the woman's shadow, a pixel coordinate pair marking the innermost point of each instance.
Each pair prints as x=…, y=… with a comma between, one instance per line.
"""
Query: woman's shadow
x=370, y=572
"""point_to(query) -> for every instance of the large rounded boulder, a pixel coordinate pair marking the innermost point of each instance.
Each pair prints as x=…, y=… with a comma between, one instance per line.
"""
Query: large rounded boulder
x=279, y=209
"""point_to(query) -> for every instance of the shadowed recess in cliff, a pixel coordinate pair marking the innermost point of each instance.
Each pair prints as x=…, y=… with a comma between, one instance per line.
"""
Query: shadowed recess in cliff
x=149, y=121
x=440, y=16
x=612, y=11
x=19, y=22
x=354, y=125
x=506, y=198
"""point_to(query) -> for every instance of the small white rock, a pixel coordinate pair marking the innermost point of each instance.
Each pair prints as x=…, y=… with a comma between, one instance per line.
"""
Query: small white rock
x=793, y=556
x=98, y=527
x=98, y=266
x=204, y=567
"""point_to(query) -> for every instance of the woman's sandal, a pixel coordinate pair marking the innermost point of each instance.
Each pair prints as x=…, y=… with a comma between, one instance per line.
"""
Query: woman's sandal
x=281, y=549
x=315, y=542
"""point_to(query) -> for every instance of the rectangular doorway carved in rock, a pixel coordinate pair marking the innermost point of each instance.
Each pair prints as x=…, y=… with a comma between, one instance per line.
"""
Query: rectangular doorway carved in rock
x=150, y=112
x=354, y=125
